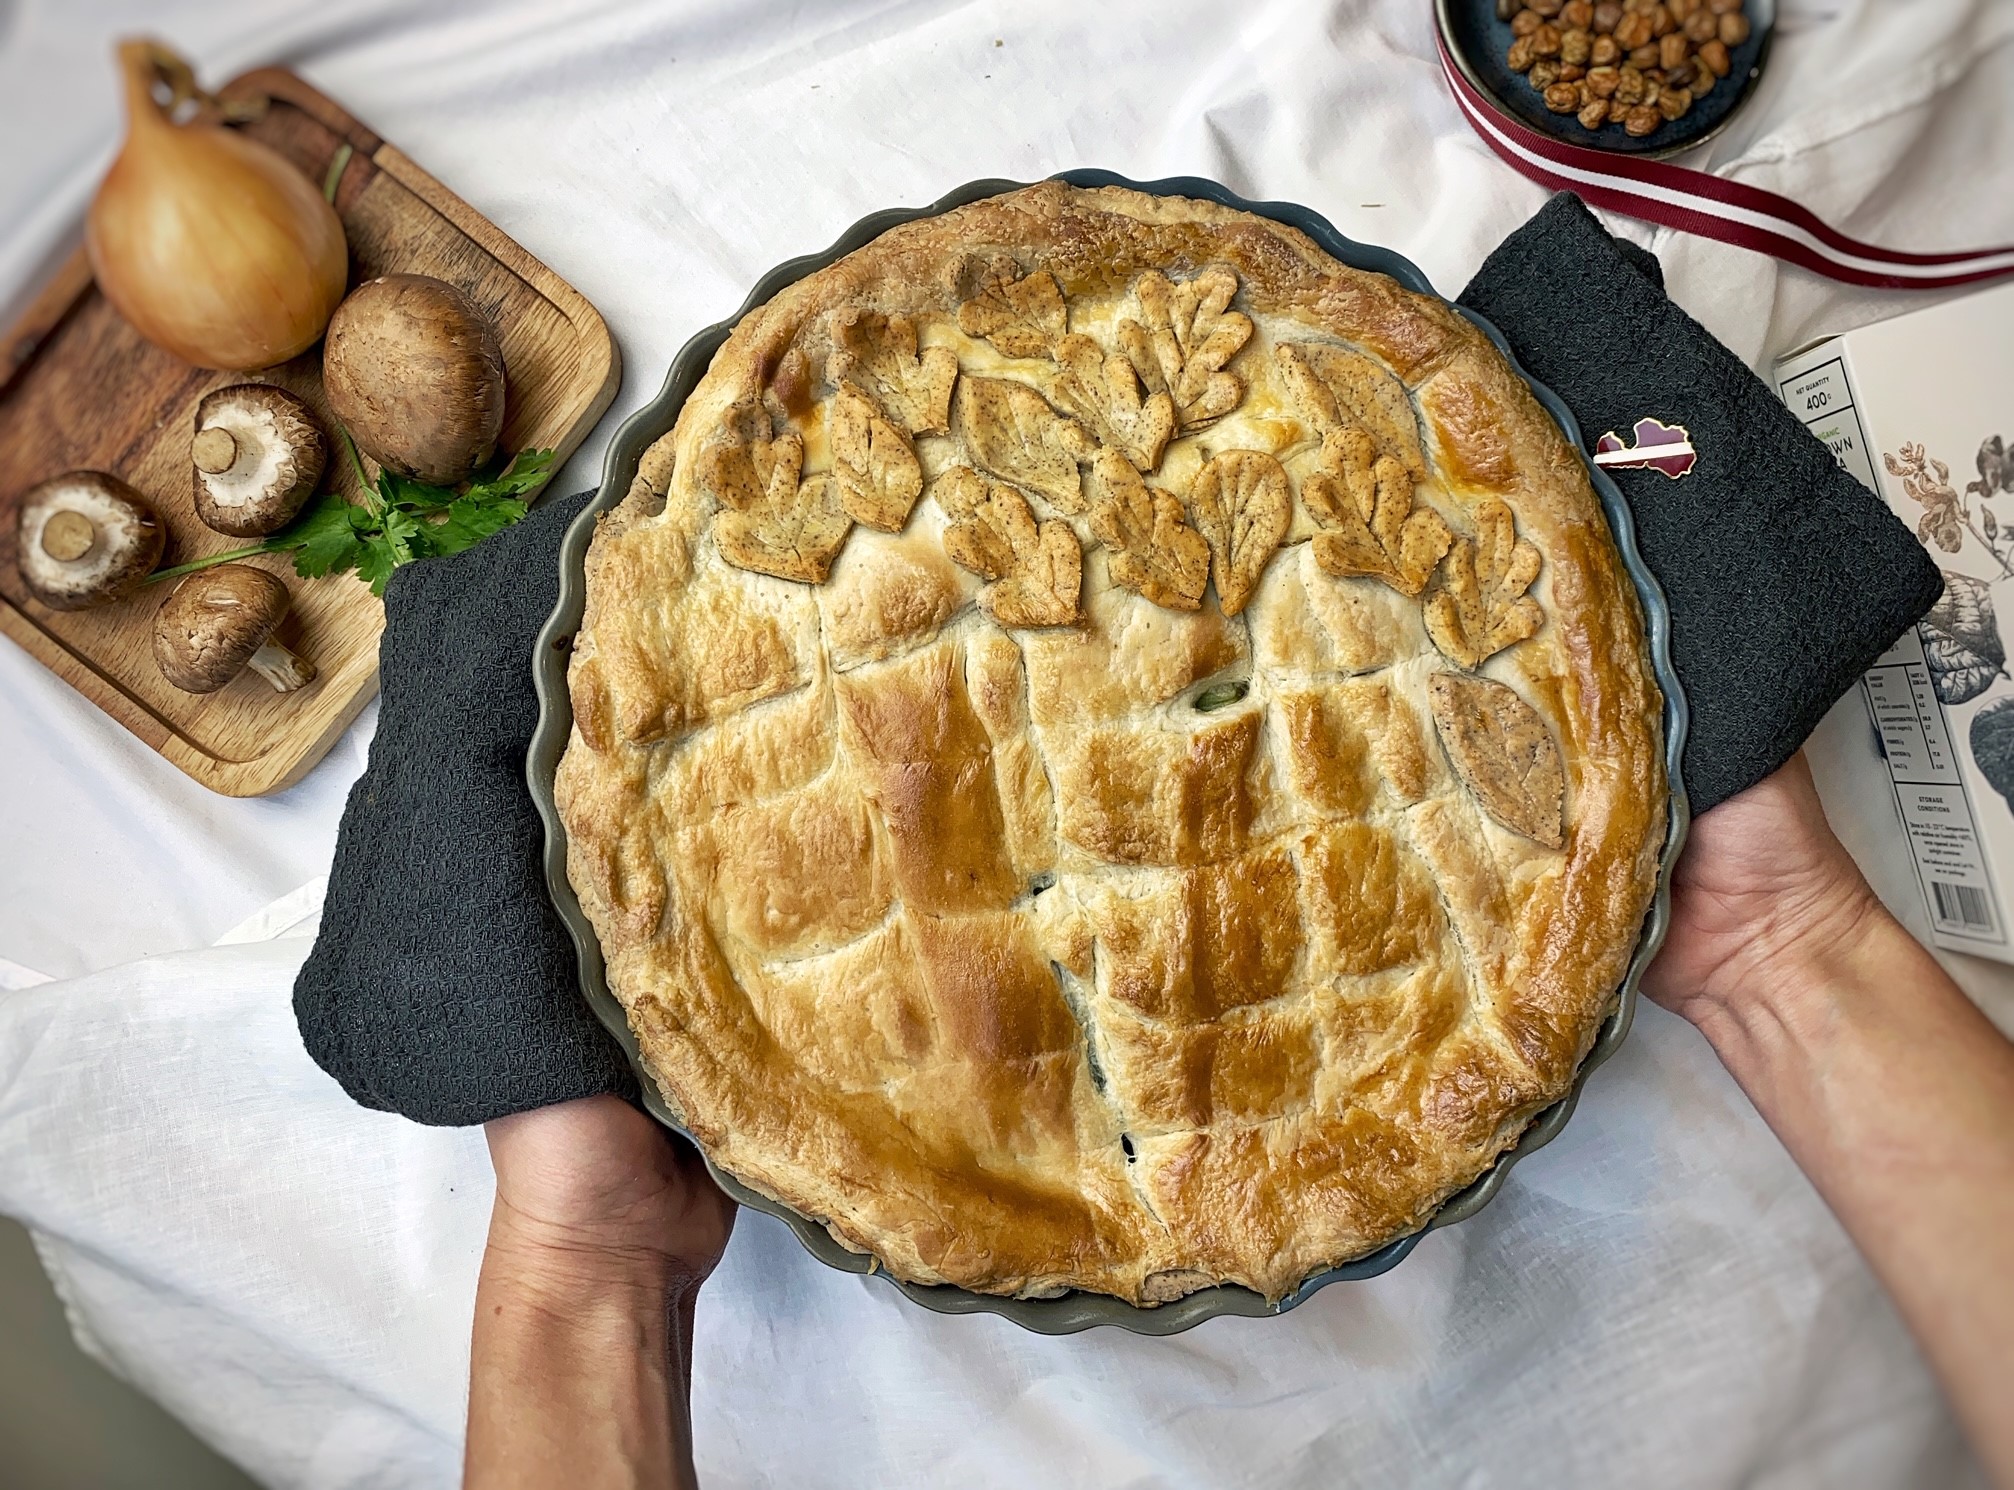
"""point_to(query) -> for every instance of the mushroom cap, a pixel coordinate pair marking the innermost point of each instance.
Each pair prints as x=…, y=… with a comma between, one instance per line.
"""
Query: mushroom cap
x=208, y=629
x=413, y=369
x=277, y=454
x=125, y=540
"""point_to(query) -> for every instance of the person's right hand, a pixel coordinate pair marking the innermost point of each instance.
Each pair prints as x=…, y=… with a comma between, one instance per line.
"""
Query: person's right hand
x=1892, y=1092
x=1763, y=892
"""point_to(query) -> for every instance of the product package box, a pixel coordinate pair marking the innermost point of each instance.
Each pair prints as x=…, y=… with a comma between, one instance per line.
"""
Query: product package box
x=1921, y=409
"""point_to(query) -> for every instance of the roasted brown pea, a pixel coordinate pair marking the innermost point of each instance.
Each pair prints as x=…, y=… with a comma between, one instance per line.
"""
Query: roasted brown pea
x=1630, y=62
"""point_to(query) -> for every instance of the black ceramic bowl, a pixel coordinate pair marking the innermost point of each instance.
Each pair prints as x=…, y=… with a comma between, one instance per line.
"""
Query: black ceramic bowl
x=1478, y=42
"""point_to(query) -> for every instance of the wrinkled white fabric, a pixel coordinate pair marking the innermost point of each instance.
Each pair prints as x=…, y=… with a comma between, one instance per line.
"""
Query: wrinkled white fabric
x=1658, y=1298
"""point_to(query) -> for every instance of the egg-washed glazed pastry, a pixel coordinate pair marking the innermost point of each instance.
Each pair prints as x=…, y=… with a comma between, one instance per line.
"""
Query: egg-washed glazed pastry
x=1111, y=751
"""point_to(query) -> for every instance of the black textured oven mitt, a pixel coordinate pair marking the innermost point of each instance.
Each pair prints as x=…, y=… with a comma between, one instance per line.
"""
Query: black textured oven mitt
x=443, y=985
x=1786, y=576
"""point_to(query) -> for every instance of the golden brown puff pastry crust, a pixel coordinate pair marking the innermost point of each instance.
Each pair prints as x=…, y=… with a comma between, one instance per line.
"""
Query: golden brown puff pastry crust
x=1111, y=751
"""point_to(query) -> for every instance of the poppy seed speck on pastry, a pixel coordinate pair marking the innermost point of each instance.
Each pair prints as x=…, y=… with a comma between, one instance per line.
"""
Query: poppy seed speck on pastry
x=976, y=885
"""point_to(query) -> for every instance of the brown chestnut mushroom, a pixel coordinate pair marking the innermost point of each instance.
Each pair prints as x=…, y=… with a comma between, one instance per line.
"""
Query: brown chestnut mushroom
x=221, y=621
x=258, y=453
x=85, y=538
x=413, y=369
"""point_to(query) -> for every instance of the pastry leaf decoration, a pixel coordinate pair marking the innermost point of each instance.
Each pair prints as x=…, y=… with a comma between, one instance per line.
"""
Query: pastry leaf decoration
x=877, y=357
x=1186, y=335
x=1503, y=753
x=1035, y=570
x=1152, y=549
x=1242, y=506
x=1481, y=606
x=873, y=462
x=1020, y=317
x=1961, y=641
x=1364, y=502
x=791, y=528
x=1106, y=390
x=1335, y=388
x=744, y=467
x=1010, y=431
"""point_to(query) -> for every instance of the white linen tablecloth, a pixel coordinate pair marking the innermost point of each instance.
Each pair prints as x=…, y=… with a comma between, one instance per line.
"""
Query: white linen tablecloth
x=1658, y=1298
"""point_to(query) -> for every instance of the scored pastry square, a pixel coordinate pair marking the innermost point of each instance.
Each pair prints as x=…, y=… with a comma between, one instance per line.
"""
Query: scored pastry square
x=1110, y=751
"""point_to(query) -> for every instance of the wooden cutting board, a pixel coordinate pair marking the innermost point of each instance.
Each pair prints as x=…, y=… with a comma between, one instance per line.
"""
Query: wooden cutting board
x=79, y=388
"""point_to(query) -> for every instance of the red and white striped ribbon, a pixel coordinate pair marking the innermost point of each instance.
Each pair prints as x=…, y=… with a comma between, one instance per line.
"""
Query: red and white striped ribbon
x=1694, y=202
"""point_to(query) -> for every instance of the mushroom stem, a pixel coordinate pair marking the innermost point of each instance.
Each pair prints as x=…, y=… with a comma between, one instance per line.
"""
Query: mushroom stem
x=68, y=536
x=213, y=450
x=283, y=669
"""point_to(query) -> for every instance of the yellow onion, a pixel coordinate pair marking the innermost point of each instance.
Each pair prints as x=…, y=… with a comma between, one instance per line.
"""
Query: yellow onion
x=212, y=245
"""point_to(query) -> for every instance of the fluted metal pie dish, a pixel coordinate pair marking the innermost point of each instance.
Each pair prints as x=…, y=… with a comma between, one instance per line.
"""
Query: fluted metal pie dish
x=1077, y=1309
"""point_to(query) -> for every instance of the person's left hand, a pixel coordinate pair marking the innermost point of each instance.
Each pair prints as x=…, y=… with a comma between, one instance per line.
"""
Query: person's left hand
x=594, y=1183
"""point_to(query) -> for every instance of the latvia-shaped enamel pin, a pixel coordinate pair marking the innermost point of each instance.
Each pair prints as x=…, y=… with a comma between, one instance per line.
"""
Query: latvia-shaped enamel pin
x=1657, y=447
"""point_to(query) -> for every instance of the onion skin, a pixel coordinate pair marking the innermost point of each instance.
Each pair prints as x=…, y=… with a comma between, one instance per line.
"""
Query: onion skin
x=212, y=245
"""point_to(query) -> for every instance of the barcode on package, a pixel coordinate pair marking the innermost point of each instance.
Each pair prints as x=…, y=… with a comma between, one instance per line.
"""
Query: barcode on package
x=1965, y=904
x=1943, y=838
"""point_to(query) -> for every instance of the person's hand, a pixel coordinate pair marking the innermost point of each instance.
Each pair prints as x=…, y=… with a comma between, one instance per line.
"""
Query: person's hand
x=1762, y=894
x=596, y=1186
x=1892, y=1092
x=580, y=1364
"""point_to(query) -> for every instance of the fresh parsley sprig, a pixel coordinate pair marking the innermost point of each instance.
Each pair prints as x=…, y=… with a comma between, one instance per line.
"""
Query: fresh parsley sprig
x=397, y=521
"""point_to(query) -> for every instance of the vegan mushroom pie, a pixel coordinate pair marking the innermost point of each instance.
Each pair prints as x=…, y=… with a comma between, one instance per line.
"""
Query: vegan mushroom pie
x=1111, y=751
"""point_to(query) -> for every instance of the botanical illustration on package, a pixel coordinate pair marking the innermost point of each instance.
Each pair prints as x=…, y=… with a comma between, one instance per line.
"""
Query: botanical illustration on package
x=1961, y=635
